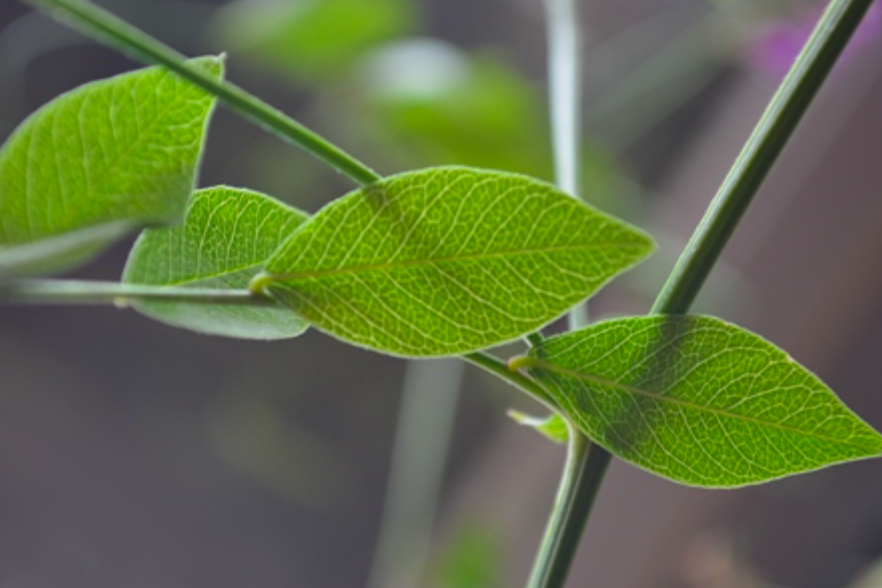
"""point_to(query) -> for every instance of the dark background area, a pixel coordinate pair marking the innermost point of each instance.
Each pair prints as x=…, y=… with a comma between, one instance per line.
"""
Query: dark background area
x=136, y=455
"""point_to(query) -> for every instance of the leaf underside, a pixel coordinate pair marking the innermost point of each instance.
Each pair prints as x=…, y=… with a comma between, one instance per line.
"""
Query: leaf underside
x=226, y=236
x=448, y=260
x=117, y=152
x=699, y=401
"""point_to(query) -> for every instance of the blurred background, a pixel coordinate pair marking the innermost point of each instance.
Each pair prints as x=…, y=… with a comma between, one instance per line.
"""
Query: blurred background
x=134, y=455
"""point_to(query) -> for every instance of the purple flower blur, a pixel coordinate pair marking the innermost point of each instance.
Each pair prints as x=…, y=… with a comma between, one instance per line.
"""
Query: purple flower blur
x=777, y=46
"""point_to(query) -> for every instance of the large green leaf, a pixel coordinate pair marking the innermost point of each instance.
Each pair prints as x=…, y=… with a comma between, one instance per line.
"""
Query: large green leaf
x=227, y=235
x=110, y=155
x=698, y=400
x=448, y=260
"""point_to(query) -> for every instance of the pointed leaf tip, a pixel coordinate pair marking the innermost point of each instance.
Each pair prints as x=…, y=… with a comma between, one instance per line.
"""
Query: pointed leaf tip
x=449, y=260
x=699, y=401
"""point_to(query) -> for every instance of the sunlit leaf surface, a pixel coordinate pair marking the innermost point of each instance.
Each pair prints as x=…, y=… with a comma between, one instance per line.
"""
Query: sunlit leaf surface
x=699, y=401
x=108, y=156
x=227, y=235
x=445, y=261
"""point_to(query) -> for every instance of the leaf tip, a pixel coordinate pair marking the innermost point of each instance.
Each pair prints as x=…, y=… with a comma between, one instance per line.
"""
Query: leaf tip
x=552, y=427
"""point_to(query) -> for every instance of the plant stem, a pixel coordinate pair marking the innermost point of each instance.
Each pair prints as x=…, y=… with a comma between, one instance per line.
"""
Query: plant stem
x=87, y=292
x=564, y=91
x=721, y=219
x=573, y=501
x=768, y=139
x=102, y=25
x=572, y=505
x=422, y=438
x=513, y=377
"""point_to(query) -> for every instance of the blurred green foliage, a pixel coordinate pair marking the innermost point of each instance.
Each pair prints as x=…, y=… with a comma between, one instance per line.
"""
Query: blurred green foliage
x=472, y=559
x=312, y=39
x=375, y=82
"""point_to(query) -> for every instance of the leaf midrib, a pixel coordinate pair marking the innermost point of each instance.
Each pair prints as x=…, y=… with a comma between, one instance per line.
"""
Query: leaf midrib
x=435, y=260
x=662, y=398
x=189, y=281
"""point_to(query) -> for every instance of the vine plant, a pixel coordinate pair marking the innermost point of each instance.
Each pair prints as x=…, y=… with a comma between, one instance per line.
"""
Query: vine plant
x=444, y=261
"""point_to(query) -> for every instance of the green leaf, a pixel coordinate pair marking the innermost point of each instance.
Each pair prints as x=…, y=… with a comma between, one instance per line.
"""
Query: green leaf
x=698, y=400
x=552, y=427
x=110, y=155
x=65, y=250
x=227, y=235
x=445, y=261
x=311, y=39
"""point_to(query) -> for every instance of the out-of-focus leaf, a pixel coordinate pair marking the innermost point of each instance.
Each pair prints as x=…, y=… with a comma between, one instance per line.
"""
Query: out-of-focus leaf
x=429, y=102
x=311, y=39
x=226, y=236
x=110, y=155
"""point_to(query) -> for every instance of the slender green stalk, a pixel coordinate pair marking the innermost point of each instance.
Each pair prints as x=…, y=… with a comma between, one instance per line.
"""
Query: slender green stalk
x=38, y=291
x=721, y=219
x=768, y=139
x=572, y=505
x=96, y=22
x=499, y=368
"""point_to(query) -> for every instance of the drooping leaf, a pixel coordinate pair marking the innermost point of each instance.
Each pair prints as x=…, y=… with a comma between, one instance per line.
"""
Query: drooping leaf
x=699, y=401
x=552, y=427
x=448, y=260
x=226, y=236
x=113, y=154
x=311, y=39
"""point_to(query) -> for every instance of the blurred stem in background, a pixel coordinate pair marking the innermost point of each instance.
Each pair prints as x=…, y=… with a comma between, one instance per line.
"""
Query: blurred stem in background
x=573, y=501
x=425, y=421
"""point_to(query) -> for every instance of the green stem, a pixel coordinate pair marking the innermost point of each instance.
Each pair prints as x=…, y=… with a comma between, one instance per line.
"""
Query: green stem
x=83, y=292
x=96, y=22
x=573, y=502
x=499, y=368
x=721, y=219
x=572, y=506
x=760, y=153
x=426, y=414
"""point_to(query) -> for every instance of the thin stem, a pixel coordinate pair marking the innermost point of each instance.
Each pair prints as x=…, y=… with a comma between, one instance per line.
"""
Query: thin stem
x=86, y=292
x=575, y=497
x=564, y=91
x=98, y=23
x=572, y=505
x=760, y=153
x=500, y=368
x=422, y=438
x=721, y=219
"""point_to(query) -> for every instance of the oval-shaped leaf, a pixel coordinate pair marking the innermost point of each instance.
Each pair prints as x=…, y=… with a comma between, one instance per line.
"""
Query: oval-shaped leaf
x=699, y=401
x=121, y=152
x=226, y=236
x=448, y=260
